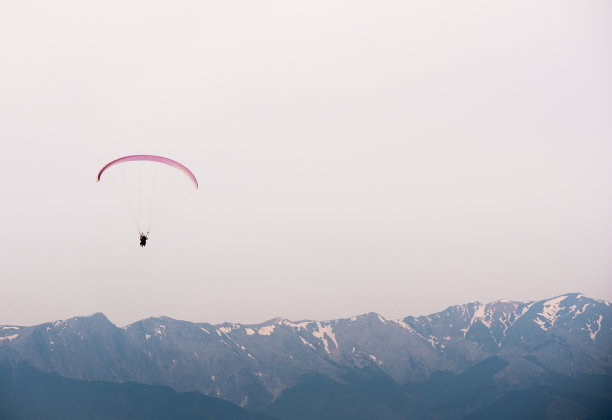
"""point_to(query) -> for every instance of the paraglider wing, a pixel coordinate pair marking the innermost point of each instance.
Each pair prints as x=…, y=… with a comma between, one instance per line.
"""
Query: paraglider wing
x=151, y=158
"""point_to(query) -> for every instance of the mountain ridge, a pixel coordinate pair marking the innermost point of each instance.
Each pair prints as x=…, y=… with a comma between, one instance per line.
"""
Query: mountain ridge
x=279, y=318
x=252, y=364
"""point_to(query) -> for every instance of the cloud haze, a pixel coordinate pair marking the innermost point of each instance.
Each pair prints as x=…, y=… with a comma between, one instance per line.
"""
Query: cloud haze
x=352, y=156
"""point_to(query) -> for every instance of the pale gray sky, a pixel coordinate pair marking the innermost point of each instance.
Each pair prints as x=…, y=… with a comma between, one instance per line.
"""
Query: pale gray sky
x=353, y=156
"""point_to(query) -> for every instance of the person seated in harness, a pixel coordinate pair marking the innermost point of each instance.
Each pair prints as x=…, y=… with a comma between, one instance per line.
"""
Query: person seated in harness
x=143, y=239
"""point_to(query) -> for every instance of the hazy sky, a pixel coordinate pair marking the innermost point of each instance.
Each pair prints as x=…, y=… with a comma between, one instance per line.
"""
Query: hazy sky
x=388, y=156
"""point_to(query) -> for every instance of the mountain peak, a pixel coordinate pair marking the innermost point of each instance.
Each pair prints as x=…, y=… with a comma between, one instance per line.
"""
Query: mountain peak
x=97, y=318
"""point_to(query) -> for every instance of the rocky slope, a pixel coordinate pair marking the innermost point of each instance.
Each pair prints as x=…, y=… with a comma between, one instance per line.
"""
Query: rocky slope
x=251, y=365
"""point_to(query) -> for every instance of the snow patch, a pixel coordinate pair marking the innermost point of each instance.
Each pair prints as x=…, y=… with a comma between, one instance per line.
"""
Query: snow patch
x=541, y=323
x=298, y=325
x=249, y=331
x=308, y=344
x=592, y=333
x=479, y=315
x=11, y=328
x=9, y=337
x=147, y=336
x=205, y=330
x=576, y=311
x=161, y=331
x=266, y=330
x=402, y=324
x=549, y=311
x=524, y=311
x=381, y=319
x=225, y=330
x=325, y=331
x=378, y=362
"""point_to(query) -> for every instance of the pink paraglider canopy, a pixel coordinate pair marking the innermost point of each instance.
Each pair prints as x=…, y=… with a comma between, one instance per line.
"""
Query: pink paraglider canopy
x=151, y=158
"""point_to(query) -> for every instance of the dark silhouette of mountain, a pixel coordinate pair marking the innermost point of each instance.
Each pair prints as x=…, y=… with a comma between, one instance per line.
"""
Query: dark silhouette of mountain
x=27, y=393
x=473, y=394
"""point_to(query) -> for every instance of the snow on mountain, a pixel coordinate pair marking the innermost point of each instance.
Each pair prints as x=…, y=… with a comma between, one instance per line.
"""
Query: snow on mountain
x=9, y=337
x=252, y=364
x=550, y=310
x=324, y=333
x=593, y=333
x=267, y=330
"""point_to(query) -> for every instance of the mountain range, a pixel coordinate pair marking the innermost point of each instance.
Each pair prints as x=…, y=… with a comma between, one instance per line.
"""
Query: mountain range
x=505, y=352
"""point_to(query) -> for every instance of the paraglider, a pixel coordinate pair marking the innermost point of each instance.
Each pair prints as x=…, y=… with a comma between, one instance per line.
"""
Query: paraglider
x=148, y=185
